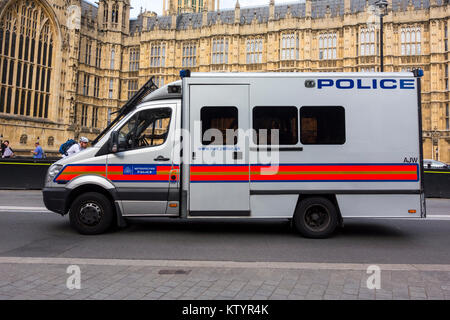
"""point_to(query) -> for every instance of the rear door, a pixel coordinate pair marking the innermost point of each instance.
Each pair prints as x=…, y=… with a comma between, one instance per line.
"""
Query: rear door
x=219, y=170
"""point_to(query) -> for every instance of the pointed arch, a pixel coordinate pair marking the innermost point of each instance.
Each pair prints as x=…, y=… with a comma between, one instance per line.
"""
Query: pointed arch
x=29, y=41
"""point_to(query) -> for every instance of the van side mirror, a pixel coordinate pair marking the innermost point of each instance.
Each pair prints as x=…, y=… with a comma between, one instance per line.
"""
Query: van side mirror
x=114, y=142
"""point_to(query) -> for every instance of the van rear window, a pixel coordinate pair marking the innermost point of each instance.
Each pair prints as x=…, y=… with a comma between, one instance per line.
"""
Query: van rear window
x=270, y=122
x=322, y=125
x=219, y=125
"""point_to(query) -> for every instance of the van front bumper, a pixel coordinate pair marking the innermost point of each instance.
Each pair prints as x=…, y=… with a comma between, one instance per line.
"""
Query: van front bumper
x=55, y=199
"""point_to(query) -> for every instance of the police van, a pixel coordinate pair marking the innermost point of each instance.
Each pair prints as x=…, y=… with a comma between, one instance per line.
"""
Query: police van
x=314, y=148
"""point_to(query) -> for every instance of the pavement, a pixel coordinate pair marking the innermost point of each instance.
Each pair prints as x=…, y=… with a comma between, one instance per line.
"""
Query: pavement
x=173, y=259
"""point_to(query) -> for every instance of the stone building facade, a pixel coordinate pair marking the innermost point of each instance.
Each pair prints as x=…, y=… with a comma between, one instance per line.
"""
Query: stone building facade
x=67, y=65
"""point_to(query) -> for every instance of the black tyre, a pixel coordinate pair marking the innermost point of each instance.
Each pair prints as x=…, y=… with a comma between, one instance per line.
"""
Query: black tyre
x=91, y=213
x=316, y=218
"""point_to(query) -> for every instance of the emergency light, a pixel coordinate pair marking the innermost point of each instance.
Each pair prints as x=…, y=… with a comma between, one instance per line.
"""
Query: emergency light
x=185, y=73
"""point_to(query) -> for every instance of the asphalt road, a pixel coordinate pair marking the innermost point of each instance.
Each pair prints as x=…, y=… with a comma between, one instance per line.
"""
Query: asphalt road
x=30, y=233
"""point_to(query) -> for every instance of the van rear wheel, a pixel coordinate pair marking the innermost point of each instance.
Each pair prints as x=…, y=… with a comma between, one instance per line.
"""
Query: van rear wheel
x=91, y=213
x=316, y=218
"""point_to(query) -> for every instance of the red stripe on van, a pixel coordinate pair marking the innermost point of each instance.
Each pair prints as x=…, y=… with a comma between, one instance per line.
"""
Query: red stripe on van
x=293, y=173
x=115, y=173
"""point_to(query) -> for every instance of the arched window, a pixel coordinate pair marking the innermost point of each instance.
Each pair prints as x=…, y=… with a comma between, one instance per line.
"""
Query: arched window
x=113, y=57
x=26, y=60
x=115, y=13
x=367, y=43
x=105, y=14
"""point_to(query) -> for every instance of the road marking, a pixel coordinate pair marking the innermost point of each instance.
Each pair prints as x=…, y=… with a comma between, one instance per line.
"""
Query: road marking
x=24, y=209
x=223, y=264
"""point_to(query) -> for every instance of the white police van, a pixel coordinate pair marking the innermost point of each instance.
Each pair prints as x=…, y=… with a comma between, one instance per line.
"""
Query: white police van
x=316, y=148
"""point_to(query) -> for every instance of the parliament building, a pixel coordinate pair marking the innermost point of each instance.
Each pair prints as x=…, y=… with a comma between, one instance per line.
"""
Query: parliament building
x=67, y=65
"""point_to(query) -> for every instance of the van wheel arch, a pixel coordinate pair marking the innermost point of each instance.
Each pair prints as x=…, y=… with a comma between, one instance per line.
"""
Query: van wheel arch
x=331, y=197
x=88, y=188
x=324, y=202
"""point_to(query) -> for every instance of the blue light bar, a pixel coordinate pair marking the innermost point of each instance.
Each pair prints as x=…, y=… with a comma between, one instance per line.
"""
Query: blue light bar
x=185, y=73
x=418, y=73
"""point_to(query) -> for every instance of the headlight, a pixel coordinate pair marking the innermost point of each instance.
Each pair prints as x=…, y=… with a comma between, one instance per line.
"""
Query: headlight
x=53, y=171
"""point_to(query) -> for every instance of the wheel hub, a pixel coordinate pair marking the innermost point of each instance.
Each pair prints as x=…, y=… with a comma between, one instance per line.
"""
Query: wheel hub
x=317, y=217
x=90, y=214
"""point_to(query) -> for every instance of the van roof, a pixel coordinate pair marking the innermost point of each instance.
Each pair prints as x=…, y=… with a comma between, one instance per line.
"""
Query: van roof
x=163, y=93
x=300, y=74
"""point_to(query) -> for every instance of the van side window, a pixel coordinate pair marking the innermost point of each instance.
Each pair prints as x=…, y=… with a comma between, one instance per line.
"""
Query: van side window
x=147, y=128
x=219, y=125
x=322, y=125
x=281, y=121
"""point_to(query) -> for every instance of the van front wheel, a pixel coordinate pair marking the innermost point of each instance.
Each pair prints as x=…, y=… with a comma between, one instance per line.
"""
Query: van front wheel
x=316, y=218
x=91, y=213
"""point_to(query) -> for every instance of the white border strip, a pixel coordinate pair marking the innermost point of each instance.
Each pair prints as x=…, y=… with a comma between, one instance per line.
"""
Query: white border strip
x=223, y=264
x=23, y=209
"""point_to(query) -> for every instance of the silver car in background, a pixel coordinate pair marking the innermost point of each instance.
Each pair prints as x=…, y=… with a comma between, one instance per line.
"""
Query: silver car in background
x=434, y=164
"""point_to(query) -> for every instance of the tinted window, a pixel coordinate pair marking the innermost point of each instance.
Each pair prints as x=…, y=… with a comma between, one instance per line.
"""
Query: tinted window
x=275, y=121
x=216, y=123
x=145, y=129
x=322, y=125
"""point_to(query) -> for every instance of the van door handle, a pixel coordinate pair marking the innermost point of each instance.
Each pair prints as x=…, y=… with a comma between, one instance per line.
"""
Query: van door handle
x=161, y=158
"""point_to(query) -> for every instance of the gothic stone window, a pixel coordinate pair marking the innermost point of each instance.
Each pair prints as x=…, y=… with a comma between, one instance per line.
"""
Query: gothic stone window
x=113, y=58
x=115, y=15
x=105, y=17
x=289, y=45
x=86, y=81
x=96, y=87
x=158, y=55
x=98, y=55
x=367, y=42
x=254, y=51
x=94, y=117
x=132, y=87
x=327, y=46
x=447, y=117
x=189, y=57
x=219, y=51
x=445, y=38
x=84, y=115
x=111, y=89
x=134, y=59
x=26, y=59
x=410, y=38
x=88, y=49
